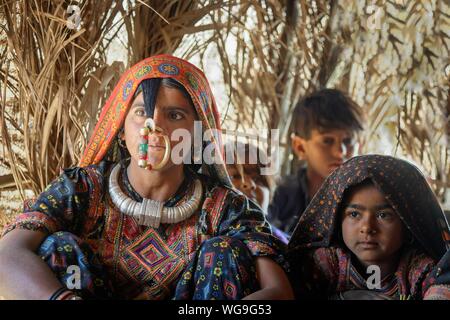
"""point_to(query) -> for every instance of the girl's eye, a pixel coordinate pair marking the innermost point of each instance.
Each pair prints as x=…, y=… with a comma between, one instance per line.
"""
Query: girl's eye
x=236, y=176
x=328, y=141
x=173, y=115
x=259, y=181
x=384, y=215
x=353, y=214
x=257, y=178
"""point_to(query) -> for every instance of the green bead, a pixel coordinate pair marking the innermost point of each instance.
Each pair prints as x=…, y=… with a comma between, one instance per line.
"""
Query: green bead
x=143, y=148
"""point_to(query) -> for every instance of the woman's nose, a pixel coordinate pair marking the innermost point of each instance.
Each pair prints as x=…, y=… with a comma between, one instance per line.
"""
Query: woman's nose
x=158, y=119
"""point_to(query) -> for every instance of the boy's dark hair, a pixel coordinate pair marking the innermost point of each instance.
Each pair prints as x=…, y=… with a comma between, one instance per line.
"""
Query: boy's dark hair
x=326, y=109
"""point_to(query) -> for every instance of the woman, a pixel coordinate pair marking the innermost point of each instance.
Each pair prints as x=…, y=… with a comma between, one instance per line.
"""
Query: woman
x=374, y=230
x=135, y=223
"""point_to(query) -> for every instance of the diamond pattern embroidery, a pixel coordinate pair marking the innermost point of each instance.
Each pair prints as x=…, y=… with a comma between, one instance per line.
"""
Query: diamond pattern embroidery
x=151, y=253
x=230, y=289
x=151, y=259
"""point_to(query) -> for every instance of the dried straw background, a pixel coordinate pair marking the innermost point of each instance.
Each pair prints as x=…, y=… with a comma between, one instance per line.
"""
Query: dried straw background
x=392, y=57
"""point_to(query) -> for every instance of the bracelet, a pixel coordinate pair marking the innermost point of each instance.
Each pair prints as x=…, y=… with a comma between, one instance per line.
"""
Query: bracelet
x=57, y=293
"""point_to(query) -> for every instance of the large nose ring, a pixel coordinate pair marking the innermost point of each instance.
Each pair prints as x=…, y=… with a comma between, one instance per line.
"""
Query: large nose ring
x=150, y=127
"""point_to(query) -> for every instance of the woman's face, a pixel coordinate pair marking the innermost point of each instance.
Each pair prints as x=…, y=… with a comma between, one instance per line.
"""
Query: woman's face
x=250, y=182
x=172, y=111
x=371, y=229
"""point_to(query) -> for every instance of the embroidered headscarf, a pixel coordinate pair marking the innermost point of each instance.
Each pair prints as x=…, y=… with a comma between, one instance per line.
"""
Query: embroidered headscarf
x=115, y=110
x=405, y=189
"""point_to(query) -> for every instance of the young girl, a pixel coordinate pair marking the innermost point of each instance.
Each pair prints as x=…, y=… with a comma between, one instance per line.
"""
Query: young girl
x=247, y=177
x=373, y=231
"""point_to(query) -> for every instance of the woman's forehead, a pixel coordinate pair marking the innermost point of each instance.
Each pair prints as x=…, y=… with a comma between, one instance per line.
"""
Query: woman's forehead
x=138, y=99
x=173, y=96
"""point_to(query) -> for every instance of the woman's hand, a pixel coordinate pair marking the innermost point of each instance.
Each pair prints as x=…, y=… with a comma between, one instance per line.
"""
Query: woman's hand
x=273, y=281
x=23, y=275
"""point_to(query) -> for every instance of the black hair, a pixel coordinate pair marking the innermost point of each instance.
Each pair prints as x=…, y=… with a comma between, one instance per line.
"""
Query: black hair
x=324, y=110
x=150, y=89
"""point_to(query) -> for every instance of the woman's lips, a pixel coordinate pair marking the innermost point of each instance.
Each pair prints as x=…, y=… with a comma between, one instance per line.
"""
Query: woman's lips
x=157, y=147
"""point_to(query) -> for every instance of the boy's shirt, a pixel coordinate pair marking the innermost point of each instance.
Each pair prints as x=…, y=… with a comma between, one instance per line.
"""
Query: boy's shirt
x=289, y=202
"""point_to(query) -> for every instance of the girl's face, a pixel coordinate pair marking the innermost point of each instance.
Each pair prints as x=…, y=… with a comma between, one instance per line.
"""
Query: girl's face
x=250, y=182
x=172, y=111
x=370, y=227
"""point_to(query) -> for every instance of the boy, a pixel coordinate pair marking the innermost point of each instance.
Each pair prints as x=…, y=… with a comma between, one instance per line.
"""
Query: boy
x=325, y=126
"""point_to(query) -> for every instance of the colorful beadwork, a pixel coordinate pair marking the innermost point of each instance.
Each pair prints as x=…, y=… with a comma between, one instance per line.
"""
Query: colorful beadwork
x=143, y=147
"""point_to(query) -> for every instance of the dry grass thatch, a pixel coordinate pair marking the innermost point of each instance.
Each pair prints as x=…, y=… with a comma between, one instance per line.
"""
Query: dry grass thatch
x=50, y=77
x=55, y=79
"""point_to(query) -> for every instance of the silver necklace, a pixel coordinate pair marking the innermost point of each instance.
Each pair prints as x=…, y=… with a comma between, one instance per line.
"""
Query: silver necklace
x=150, y=212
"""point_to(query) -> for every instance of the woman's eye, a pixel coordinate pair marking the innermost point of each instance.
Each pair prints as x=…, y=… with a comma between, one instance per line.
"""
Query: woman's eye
x=176, y=115
x=139, y=112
